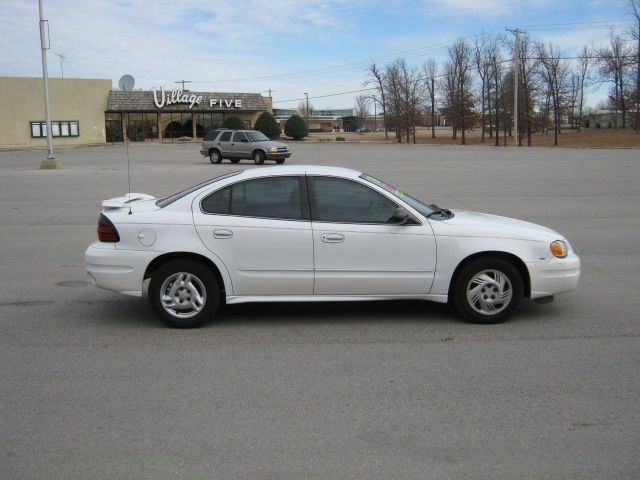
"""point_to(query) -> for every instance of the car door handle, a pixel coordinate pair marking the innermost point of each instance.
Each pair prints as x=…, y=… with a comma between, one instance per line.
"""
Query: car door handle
x=332, y=237
x=222, y=233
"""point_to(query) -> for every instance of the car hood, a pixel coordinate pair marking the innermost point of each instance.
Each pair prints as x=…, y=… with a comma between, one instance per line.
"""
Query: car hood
x=476, y=224
x=272, y=143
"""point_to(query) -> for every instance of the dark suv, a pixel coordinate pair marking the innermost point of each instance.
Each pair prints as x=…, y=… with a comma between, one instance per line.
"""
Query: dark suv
x=238, y=144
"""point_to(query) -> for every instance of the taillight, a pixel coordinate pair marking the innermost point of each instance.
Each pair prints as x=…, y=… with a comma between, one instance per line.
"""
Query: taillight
x=106, y=231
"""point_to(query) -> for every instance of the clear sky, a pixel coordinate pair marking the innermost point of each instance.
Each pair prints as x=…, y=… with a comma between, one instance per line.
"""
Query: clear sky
x=248, y=46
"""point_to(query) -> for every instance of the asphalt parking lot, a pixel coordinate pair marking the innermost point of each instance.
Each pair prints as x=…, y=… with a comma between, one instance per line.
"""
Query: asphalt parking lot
x=93, y=386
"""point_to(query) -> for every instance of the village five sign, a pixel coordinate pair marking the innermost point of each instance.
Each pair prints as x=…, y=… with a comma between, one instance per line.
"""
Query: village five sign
x=179, y=96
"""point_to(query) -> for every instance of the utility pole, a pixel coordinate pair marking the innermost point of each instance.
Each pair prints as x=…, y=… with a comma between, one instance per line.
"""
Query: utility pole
x=270, y=92
x=516, y=67
x=183, y=82
x=306, y=112
x=50, y=162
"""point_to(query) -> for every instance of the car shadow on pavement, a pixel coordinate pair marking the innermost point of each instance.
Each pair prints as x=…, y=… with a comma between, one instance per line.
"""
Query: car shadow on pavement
x=336, y=312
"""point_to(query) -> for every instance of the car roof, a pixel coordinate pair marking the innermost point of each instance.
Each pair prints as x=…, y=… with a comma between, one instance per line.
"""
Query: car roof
x=298, y=170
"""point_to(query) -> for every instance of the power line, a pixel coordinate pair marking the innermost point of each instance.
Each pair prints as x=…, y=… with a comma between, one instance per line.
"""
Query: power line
x=592, y=57
x=416, y=52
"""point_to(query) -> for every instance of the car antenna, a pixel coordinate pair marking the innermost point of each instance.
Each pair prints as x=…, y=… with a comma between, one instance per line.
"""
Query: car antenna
x=126, y=83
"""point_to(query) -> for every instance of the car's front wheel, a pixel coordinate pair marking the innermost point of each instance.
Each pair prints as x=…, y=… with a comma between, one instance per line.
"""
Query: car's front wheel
x=488, y=290
x=184, y=293
x=280, y=161
x=215, y=157
x=258, y=157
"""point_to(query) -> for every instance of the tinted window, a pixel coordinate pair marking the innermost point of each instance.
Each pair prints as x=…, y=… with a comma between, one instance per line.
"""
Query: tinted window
x=211, y=135
x=275, y=197
x=163, y=202
x=340, y=200
x=225, y=137
x=257, y=137
x=240, y=137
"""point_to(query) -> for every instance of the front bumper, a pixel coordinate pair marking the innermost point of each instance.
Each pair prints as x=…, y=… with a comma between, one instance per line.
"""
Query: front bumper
x=204, y=153
x=558, y=275
x=120, y=271
x=277, y=156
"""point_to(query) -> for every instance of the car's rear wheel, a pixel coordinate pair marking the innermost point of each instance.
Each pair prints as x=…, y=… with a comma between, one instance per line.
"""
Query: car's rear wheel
x=258, y=157
x=235, y=160
x=279, y=161
x=488, y=290
x=215, y=157
x=184, y=293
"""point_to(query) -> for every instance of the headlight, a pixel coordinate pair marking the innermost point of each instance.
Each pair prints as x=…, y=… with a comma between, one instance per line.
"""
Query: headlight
x=273, y=149
x=559, y=249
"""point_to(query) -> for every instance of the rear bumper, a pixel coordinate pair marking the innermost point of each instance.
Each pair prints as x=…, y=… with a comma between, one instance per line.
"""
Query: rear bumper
x=555, y=276
x=120, y=271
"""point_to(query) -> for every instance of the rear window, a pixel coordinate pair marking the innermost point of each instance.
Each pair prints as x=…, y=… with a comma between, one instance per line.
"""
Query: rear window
x=211, y=135
x=163, y=202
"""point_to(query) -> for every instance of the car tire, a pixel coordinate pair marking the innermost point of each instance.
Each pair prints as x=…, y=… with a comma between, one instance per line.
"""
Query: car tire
x=258, y=157
x=235, y=160
x=280, y=161
x=215, y=156
x=190, y=302
x=488, y=290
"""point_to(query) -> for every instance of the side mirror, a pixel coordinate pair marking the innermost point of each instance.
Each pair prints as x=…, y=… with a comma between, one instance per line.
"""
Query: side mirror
x=400, y=216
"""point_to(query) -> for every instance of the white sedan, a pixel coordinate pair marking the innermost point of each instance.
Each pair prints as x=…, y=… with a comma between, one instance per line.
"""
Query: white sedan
x=311, y=233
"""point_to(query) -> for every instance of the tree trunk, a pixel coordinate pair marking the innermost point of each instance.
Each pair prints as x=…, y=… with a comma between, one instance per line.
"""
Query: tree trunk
x=433, y=108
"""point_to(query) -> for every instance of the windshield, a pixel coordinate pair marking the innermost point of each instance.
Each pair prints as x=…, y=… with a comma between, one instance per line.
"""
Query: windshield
x=420, y=206
x=163, y=202
x=257, y=137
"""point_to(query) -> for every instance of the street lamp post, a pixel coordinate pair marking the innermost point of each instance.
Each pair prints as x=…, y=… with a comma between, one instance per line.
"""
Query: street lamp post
x=50, y=162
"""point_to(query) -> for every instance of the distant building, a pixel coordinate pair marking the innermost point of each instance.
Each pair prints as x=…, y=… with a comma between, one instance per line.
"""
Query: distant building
x=607, y=118
x=89, y=111
x=329, y=120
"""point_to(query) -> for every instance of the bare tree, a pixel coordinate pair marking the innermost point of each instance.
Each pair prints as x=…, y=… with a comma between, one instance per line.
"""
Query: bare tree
x=459, y=97
x=554, y=72
x=361, y=111
x=412, y=94
x=530, y=86
x=303, y=111
x=584, y=60
x=496, y=62
x=483, y=65
x=635, y=34
x=613, y=60
x=430, y=70
x=378, y=80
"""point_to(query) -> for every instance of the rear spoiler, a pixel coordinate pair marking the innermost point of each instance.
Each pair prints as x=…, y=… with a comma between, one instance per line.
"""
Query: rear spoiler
x=124, y=201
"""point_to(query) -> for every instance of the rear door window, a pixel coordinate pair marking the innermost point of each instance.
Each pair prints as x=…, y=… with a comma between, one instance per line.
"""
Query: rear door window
x=225, y=137
x=271, y=197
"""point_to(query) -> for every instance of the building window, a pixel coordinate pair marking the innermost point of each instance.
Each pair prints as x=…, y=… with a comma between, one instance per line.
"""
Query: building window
x=59, y=128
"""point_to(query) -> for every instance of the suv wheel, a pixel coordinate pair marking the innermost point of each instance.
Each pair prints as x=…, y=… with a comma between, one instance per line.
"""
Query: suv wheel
x=280, y=161
x=258, y=157
x=215, y=157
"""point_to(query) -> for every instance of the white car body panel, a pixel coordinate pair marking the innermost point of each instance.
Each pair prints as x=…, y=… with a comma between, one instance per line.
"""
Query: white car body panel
x=373, y=259
x=287, y=260
x=263, y=256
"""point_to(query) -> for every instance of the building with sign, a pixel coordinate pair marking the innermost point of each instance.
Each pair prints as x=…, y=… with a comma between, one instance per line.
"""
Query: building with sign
x=89, y=111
